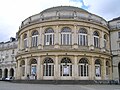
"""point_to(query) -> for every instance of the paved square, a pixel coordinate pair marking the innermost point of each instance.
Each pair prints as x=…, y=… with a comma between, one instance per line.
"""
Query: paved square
x=17, y=86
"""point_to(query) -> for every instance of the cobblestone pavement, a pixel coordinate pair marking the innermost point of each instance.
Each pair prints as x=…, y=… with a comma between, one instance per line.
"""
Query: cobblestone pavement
x=17, y=86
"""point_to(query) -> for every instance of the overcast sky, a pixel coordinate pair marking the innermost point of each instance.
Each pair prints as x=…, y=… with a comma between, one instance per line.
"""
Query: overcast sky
x=13, y=12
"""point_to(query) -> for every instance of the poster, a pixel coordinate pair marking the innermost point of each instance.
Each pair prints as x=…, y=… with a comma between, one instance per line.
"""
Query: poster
x=33, y=70
x=66, y=70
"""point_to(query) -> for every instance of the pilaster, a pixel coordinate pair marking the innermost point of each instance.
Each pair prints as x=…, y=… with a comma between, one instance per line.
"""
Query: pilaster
x=26, y=67
x=29, y=39
x=56, y=73
x=75, y=68
x=92, y=69
x=38, y=68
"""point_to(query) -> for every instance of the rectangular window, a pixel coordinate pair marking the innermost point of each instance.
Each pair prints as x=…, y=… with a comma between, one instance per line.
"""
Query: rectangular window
x=49, y=39
x=119, y=45
x=105, y=42
x=96, y=42
x=97, y=71
x=34, y=41
x=25, y=43
x=81, y=70
x=119, y=35
x=66, y=39
x=82, y=39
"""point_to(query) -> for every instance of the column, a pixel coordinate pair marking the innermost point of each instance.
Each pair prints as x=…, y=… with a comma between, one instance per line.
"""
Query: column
x=102, y=40
x=38, y=68
x=21, y=43
x=26, y=67
x=29, y=39
x=18, y=43
x=41, y=70
x=18, y=72
x=90, y=39
x=110, y=69
x=56, y=38
x=3, y=73
x=59, y=35
x=75, y=36
x=40, y=35
x=8, y=72
x=40, y=38
x=92, y=74
x=56, y=68
x=75, y=68
x=103, y=70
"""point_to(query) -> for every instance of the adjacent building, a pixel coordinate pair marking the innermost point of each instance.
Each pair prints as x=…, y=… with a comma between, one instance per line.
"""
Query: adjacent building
x=115, y=46
x=8, y=51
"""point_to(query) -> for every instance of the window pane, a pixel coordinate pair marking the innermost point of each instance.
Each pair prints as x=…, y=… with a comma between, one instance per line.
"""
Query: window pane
x=87, y=70
x=64, y=39
x=68, y=38
x=70, y=70
x=81, y=70
x=52, y=70
x=50, y=74
x=50, y=39
x=60, y=70
x=47, y=69
x=97, y=70
x=118, y=34
x=84, y=70
x=44, y=70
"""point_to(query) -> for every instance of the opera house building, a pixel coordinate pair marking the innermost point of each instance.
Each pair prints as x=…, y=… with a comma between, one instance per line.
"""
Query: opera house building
x=64, y=43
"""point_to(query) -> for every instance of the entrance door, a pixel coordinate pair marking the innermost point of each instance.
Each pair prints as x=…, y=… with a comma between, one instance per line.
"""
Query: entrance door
x=6, y=73
x=119, y=70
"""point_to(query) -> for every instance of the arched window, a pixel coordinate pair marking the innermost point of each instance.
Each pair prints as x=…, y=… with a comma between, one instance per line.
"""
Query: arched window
x=66, y=37
x=48, y=67
x=5, y=72
x=96, y=39
x=66, y=67
x=107, y=68
x=25, y=41
x=35, y=38
x=12, y=72
x=83, y=67
x=97, y=68
x=0, y=73
x=82, y=37
x=49, y=36
x=105, y=41
x=22, y=67
x=33, y=66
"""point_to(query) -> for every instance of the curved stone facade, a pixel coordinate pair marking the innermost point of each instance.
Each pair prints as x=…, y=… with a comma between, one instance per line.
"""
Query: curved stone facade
x=64, y=43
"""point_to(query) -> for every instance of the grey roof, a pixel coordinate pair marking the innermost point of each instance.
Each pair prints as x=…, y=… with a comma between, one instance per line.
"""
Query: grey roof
x=114, y=19
x=63, y=8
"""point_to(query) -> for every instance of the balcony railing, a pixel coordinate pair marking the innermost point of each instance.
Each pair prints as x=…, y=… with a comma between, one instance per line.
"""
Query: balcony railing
x=92, y=18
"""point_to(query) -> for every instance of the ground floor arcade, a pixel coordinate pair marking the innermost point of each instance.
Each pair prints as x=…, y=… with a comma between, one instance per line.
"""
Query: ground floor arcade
x=64, y=67
x=7, y=72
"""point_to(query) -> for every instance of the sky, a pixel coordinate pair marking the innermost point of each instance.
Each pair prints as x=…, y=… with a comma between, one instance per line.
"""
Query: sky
x=13, y=12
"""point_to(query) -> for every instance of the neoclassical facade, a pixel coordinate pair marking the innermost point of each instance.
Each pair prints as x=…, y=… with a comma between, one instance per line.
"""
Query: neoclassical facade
x=64, y=43
x=8, y=51
x=115, y=46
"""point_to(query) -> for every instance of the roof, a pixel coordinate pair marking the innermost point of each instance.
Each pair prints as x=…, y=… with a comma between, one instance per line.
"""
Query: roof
x=114, y=19
x=64, y=8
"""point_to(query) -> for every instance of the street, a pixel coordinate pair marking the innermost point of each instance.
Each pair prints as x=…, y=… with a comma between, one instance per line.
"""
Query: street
x=18, y=86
